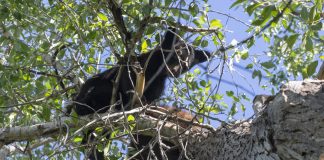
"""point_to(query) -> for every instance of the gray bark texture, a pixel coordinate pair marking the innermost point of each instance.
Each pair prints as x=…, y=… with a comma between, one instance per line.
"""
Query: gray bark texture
x=290, y=126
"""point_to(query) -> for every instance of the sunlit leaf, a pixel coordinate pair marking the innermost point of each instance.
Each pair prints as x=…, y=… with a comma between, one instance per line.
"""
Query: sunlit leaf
x=130, y=118
x=244, y=54
x=144, y=46
x=102, y=17
x=215, y=23
x=127, y=1
x=77, y=139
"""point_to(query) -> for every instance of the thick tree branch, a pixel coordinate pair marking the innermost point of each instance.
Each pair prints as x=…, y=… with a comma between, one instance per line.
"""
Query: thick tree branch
x=19, y=133
x=116, y=11
x=290, y=126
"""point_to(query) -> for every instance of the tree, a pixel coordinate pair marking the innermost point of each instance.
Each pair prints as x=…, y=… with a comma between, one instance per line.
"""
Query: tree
x=49, y=48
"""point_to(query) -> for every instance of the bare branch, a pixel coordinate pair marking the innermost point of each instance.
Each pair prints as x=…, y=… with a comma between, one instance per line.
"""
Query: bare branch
x=48, y=129
x=280, y=14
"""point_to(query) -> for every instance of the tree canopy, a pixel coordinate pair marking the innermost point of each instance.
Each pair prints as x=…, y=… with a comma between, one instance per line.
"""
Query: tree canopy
x=49, y=48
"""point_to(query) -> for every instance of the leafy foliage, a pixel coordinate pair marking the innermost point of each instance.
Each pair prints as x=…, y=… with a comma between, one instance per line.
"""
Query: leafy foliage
x=45, y=44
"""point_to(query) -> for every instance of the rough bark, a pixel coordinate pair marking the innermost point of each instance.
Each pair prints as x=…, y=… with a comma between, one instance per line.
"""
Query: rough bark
x=291, y=126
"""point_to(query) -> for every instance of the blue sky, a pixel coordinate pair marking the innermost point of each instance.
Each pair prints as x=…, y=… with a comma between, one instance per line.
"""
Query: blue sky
x=240, y=76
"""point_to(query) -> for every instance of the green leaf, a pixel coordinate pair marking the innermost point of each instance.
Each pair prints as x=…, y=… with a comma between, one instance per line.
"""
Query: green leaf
x=18, y=16
x=319, y=4
x=266, y=38
x=257, y=73
x=236, y=99
x=130, y=118
x=265, y=16
x=304, y=13
x=21, y=46
x=284, y=23
x=92, y=35
x=237, y=3
x=193, y=8
x=99, y=129
x=321, y=57
x=102, y=17
x=215, y=23
x=46, y=113
x=4, y=13
x=252, y=7
x=26, y=77
x=197, y=41
x=249, y=66
x=220, y=35
x=311, y=68
x=203, y=83
x=77, y=139
x=243, y=108
x=197, y=71
x=167, y=2
x=312, y=13
x=230, y=93
x=144, y=46
x=150, y=30
x=245, y=54
x=267, y=64
x=304, y=73
x=204, y=43
x=309, y=44
x=250, y=43
x=291, y=40
x=127, y=1
x=218, y=97
x=233, y=110
x=268, y=10
x=317, y=26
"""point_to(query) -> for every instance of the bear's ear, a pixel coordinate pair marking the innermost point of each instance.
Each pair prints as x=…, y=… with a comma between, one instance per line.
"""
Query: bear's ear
x=169, y=39
x=201, y=56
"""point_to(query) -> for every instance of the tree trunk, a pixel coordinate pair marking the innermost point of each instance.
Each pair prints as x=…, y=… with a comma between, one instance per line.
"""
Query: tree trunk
x=291, y=126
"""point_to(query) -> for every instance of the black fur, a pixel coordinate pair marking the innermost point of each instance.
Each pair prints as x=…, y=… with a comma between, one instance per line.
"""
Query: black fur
x=96, y=93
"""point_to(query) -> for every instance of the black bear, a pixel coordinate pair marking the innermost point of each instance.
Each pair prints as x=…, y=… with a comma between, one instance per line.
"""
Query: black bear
x=150, y=148
x=172, y=58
